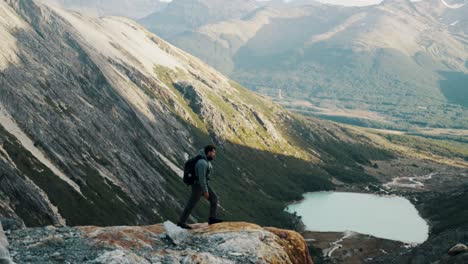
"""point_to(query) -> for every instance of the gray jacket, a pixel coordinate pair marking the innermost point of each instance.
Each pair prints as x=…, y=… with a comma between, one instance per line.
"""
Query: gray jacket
x=203, y=169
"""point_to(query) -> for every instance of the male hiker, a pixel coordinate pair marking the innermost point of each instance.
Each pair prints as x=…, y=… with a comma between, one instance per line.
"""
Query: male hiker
x=200, y=186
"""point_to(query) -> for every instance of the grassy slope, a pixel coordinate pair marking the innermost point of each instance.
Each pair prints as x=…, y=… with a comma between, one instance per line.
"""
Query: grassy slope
x=254, y=184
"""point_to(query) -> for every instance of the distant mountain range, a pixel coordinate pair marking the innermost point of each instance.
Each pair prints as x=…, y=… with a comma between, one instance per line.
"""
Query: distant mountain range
x=399, y=64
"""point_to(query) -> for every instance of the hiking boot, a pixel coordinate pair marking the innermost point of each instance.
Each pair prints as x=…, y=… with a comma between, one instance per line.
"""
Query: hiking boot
x=213, y=220
x=184, y=226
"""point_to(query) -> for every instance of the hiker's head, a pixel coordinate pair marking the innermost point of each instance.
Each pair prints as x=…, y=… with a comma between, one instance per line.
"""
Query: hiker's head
x=210, y=152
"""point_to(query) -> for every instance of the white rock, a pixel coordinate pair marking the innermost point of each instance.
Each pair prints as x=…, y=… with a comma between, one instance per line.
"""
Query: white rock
x=120, y=257
x=204, y=257
x=4, y=253
x=243, y=243
x=3, y=239
x=176, y=233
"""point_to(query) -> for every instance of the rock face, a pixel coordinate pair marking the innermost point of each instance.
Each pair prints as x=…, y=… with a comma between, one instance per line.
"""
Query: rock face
x=4, y=253
x=128, y=8
x=229, y=242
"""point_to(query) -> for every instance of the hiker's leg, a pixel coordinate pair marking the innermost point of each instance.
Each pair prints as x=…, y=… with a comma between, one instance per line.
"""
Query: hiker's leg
x=213, y=202
x=194, y=198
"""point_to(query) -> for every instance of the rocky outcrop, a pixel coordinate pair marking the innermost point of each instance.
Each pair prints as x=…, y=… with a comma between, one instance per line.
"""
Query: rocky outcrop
x=4, y=253
x=458, y=249
x=229, y=242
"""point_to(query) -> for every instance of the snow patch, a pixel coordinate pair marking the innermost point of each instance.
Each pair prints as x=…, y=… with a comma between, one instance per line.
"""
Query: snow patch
x=10, y=125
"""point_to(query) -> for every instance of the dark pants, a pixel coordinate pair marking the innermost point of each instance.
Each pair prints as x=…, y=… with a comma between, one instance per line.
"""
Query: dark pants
x=193, y=200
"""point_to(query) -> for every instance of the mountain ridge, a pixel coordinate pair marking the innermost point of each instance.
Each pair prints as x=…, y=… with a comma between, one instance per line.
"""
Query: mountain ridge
x=340, y=58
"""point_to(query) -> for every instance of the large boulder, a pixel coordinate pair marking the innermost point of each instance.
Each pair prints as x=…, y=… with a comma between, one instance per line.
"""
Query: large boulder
x=177, y=234
x=227, y=242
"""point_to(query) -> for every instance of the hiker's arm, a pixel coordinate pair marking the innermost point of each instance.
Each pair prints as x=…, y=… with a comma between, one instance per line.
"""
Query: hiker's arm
x=200, y=169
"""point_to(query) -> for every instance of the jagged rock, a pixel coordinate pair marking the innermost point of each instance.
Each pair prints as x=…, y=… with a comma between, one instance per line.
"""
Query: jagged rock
x=3, y=239
x=11, y=224
x=4, y=253
x=177, y=234
x=457, y=249
x=227, y=242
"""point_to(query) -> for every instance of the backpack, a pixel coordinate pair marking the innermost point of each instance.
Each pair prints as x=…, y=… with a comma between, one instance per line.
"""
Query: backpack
x=189, y=170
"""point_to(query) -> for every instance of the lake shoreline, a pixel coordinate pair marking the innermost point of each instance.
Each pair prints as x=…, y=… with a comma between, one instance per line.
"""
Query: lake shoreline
x=403, y=223
x=413, y=195
x=360, y=247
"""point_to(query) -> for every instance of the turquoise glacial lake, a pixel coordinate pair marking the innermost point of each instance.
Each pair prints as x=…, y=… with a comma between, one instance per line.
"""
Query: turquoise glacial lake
x=390, y=217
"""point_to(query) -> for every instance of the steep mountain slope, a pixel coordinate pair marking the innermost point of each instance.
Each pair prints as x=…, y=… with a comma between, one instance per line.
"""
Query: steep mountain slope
x=129, y=8
x=451, y=13
x=396, y=62
x=98, y=115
